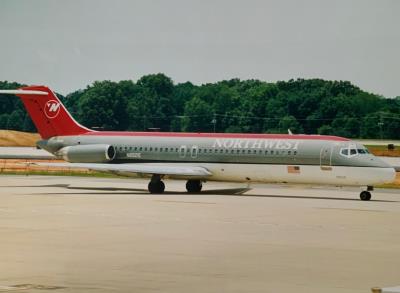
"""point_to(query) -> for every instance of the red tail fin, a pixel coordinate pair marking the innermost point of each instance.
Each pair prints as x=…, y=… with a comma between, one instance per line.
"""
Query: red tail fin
x=48, y=113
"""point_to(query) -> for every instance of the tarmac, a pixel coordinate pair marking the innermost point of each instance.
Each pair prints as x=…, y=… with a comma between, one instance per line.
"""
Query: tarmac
x=76, y=234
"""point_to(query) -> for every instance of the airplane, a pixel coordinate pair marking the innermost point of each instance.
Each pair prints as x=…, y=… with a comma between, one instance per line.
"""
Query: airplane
x=201, y=157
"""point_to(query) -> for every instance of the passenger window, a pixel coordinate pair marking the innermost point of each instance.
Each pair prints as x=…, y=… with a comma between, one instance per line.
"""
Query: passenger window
x=166, y=149
x=151, y=149
x=295, y=153
x=156, y=149
x=289, y=152
x=272, y=152
x=135, y=148
x=145, y=149
x=140, y=149
x=249, y=151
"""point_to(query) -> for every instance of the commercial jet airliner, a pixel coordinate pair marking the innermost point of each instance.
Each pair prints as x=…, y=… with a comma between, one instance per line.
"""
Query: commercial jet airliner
x=200, y=157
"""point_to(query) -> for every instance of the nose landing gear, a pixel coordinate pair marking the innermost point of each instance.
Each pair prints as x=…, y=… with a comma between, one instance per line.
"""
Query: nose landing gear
x=366, y=194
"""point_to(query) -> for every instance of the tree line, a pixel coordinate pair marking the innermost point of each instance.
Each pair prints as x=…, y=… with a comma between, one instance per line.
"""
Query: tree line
x=311, y=106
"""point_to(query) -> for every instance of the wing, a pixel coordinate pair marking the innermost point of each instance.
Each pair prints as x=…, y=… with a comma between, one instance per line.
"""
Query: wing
x=195, y=171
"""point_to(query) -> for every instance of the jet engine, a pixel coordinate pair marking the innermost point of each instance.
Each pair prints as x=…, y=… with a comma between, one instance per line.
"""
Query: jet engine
x=92, y=153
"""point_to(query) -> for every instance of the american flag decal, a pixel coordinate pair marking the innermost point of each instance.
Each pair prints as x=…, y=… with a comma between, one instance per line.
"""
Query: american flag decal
x=293, y=169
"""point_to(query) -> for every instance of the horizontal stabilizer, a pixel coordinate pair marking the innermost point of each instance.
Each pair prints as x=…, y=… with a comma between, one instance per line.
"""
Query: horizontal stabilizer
x=23, y=92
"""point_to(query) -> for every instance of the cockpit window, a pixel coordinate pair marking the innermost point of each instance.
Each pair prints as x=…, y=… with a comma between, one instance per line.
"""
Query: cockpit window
x=350, y=151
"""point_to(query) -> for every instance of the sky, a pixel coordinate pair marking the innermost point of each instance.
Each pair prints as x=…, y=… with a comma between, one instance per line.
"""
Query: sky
x=67, y=45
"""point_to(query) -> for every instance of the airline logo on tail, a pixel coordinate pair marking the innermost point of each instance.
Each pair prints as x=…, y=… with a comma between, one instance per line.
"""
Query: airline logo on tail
x=52, y=108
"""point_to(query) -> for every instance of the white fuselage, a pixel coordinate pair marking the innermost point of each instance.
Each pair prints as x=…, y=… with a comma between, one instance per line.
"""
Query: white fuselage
x=247, y=158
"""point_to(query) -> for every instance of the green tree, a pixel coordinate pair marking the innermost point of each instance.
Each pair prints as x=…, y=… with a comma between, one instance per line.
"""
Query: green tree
x=4, y=121
x=198, y=116
x=16, y=120
x=290, y=122
x=104, y=105
x=152, y=105
x=303, y=105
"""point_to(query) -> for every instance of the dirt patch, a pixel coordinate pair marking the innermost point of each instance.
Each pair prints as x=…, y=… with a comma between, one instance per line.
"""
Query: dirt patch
x=9, y=138
x=380, y=150
x=28, y=166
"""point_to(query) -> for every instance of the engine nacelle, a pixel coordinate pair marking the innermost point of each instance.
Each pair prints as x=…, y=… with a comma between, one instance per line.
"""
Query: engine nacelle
x=91, y=153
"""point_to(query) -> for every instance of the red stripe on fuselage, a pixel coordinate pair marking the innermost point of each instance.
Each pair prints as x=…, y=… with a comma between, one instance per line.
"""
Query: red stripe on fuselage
x=217, y=135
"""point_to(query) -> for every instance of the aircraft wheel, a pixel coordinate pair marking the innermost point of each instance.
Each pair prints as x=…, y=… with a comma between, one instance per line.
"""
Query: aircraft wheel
x=193, y=186
x=365, y=195
x=156, y=186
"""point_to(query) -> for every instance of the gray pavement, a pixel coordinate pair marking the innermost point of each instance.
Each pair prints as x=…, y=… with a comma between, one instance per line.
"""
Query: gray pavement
x=24, y=153
x=108, y=235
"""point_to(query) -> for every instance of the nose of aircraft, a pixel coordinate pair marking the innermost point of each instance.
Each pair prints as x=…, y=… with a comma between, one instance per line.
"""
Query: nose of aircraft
x=390, y=176
x=388, y=172
x=378, y=162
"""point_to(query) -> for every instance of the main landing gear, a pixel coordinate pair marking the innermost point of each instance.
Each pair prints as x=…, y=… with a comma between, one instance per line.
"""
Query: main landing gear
x=193, y=186
x=366, y=194
x=156, y=186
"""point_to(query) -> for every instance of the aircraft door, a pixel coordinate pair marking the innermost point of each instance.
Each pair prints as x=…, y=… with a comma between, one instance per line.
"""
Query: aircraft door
x=325, y=156
x=194, y=151
x=182, y=152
